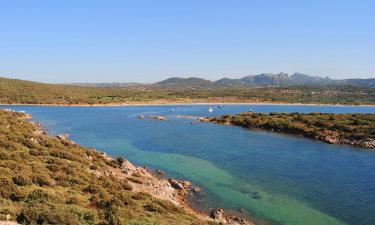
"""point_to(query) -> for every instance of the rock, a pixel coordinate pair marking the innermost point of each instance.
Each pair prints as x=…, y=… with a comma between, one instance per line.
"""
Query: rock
x=197, y=189
x=255, y=195
x=33, y=140
x=159, y=172
x=63, y=137
x=331, y=140
x=8, y=223
x=176, y=184
x=217, y=214
x=158, y=117
x=186, y=183
x=233, y=220
x=369, y=144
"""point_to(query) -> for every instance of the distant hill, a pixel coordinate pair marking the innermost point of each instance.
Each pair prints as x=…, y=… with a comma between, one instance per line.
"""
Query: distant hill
x=106, y=84
x=260, y=88
x=185, y=82
x=265, y=80
x=359, y=82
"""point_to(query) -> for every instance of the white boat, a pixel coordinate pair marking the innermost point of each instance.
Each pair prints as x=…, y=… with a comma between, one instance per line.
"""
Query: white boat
x=210, y=110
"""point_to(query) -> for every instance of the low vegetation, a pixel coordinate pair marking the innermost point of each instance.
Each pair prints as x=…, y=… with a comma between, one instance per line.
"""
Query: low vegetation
x=26, y=92
x=51, y=180
x=354, y=129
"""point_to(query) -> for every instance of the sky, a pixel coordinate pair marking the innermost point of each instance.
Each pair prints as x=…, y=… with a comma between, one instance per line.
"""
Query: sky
x=147, y=41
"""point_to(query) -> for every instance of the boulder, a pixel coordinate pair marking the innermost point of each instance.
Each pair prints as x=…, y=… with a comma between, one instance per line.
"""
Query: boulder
x=176, y=184
x=217, y=214
x=62, y=137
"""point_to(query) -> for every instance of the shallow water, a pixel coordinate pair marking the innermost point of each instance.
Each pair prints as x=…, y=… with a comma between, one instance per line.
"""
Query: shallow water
x=281, y=178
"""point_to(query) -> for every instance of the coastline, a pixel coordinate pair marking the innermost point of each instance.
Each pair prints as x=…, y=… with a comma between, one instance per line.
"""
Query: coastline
x=157, y=184
x=175, y=103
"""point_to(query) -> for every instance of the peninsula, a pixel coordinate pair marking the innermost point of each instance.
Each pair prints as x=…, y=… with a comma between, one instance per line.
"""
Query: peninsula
x=353, y=129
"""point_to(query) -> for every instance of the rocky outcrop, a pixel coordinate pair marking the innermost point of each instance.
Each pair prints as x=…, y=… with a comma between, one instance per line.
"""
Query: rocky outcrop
x=153, y=117
x=8, y=223
x=218, y=216
x=335, y=139
x=176, y=184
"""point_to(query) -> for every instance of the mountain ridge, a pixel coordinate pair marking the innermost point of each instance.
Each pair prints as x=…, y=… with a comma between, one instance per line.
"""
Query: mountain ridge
x=265, y=80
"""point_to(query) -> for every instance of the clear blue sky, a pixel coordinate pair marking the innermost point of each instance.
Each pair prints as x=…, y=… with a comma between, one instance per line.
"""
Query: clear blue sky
x=146, y=41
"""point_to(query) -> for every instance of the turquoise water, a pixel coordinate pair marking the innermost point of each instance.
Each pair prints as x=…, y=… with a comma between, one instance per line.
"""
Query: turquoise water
x=283, y=179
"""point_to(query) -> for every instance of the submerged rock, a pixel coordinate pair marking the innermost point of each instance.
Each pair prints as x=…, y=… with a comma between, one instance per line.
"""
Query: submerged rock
x=233, y=220
x=197, y=189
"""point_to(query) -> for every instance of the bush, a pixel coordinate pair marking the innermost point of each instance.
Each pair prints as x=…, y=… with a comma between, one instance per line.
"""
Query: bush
x=135, y=180
x=93, y=167
x=136, y=174
x=127, y=186
x=141, y=196
x=92, y=189
x=41, y=180
x=21, y=180
x=120, y=161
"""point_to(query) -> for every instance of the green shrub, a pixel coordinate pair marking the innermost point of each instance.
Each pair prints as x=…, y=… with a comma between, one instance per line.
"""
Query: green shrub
x=41, y=180
x=21, y=180
x=120, y=161
x=135, y=180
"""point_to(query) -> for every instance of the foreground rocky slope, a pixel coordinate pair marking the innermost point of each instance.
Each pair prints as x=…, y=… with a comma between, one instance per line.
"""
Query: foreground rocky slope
x=51, y=180
x=353, y=129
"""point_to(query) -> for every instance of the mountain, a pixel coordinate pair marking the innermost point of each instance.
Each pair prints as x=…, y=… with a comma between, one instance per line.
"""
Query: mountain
x=265, y=80
x=280, y=79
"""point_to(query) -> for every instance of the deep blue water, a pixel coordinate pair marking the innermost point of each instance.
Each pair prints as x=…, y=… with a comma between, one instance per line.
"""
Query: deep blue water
x=281, y=178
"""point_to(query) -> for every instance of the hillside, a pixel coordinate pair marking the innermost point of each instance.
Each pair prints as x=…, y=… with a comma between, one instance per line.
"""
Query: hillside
x=51, y=180
x=27, y=92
